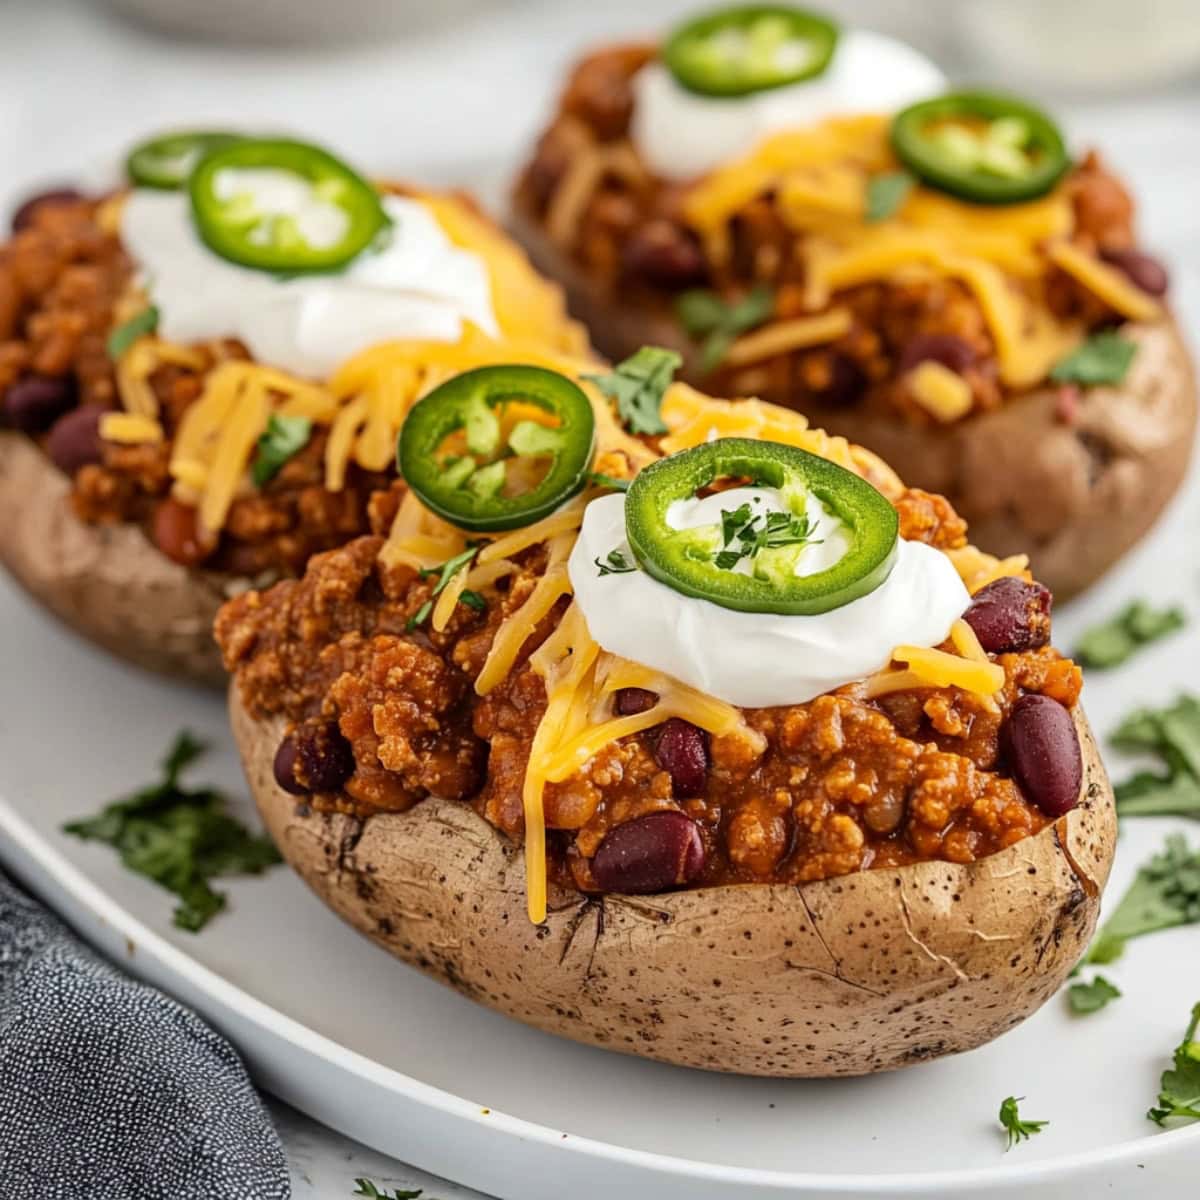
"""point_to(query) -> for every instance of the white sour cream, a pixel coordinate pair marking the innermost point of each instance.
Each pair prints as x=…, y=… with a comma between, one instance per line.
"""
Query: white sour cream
x=417, y=284
x=680, y=134
x=757, y=660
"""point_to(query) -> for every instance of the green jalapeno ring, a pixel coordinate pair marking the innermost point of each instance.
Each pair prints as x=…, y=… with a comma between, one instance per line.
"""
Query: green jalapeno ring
x=229, y=231
x=472, y=498
x=669, y=555
x=699, y=55
x=943, y=164
x=166, y=161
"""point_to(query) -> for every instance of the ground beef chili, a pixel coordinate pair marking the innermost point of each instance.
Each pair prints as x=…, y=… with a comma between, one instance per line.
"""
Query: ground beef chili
x=61, y=277
x=634, y=245
x=844, y=783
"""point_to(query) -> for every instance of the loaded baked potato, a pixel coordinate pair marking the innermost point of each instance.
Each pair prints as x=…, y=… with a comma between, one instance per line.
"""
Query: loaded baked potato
x=811, y=218
x=728, y=751
x=196, y=394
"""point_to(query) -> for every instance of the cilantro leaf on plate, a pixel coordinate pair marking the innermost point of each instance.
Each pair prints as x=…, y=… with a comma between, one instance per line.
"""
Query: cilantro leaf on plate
x=1091, y=996
x=1018, y=1129
x=1114, y=641
x=1179, y=1096
x=638, y=385
x=180, y=838
x=1173, y=735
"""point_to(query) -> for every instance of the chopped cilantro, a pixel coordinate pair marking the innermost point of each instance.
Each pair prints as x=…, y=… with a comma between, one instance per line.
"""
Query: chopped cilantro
x=1179, y=1096
x=886, y=194
x=445, y=573
x=1110, y=644
x=608, y=481
x=366, y=1188
x=638, y=385
x=129, y=331
x=704, y=314
x=1103, y=358
x=1173, y=735
x=284, y=438
x=744, y=534
x=180, y=838
x=1018, y=1130
x=615, y=563
x=1091, y=996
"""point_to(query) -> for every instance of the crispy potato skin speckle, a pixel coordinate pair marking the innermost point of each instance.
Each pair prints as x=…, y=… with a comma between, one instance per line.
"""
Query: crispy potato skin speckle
x=847, y=976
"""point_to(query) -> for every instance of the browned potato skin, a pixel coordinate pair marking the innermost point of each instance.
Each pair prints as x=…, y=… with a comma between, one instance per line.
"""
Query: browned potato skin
x=105, y=581
x=848, y=976
x=1075, y=498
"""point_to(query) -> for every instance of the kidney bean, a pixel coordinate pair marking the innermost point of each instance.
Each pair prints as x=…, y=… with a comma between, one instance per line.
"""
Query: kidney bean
x=1010, y=615
x=847, y=382
x=23, y=217
x=74, y=442
x=946, y=348
x=682, y=751
x=1143, y=270
x=651, y=853
x=665, y=255
x=1041, y=748
x=630, y=701
x=313, y=758
x=34, y=402
x=177, y=533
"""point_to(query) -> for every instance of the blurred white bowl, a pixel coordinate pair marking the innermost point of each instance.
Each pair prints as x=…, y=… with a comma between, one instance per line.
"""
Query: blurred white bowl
x=295, y=22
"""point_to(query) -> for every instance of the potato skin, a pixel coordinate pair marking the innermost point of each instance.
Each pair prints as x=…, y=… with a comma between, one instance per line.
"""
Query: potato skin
x=106, y=581
x=848, y=976
x=1074, y=497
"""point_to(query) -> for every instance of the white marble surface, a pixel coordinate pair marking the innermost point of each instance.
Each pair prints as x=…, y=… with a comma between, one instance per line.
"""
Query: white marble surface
x=78, y=85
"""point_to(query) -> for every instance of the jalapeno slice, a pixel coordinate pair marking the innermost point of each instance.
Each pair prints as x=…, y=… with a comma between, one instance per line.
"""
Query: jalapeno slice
x=747, y=49
x=166, y=161
x=477, y=452
x=981, y=146
x=283, y=206
x=750, y=563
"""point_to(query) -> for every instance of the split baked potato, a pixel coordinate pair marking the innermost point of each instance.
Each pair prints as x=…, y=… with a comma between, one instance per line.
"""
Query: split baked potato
x=975, y=328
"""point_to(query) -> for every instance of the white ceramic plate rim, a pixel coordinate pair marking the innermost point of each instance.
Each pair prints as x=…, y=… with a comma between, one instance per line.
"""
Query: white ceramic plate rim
x=241, y=1003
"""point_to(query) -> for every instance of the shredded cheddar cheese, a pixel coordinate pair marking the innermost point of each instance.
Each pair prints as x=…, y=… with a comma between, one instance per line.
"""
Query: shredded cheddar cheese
x=943, y=393
x=130, y=429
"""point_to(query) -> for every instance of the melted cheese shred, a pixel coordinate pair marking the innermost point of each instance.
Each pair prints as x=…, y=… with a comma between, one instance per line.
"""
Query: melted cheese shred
x=818, y=178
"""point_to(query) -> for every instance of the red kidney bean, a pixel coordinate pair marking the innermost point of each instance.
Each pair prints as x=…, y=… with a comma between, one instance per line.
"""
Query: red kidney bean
x=1143, y=270
x=665, y=255
x=630, y=701
x=1041, y=748
x=23, y=217
x=177, y=533
x=313, y=758
x=651, y=853
x=682, y=751
x=34, y=402
x=74, y=442
x=1010, y=615
x=946, y=348
x=847, y=382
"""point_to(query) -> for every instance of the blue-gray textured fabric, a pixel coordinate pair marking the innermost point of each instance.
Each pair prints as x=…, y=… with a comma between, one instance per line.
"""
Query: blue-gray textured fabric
x=110, y=1090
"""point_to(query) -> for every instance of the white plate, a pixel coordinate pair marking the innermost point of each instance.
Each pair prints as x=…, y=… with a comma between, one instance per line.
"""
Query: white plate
x=330, y=1023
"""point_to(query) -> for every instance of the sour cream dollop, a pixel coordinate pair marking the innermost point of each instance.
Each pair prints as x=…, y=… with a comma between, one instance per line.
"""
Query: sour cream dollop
x=416, y=284
x=757, y=660
x=680, y=134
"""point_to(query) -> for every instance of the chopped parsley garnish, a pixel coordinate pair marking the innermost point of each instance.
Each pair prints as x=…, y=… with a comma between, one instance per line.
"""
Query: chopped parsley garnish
x=284, y=438
x=1173, y=735
x=1164, y=894
x=1018, y=1130
x=615, y=563
x=745, y=533
x=1110, y=644
x=1091, y=996
x=608, y=481
x=180, y=838
x=704, y=314
x=366, y=1188
x=445, y=573
x=1179, y=1096
x=638, y=385
x=1103, y=358
x=886, y=194
x=129, y=331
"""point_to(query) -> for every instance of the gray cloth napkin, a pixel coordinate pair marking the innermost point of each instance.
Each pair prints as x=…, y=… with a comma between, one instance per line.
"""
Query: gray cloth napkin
x=110, y=1090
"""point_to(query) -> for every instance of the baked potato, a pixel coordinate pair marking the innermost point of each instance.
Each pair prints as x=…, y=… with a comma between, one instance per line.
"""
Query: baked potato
x=900, y=865
x=163, y=443
x=853, y=267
